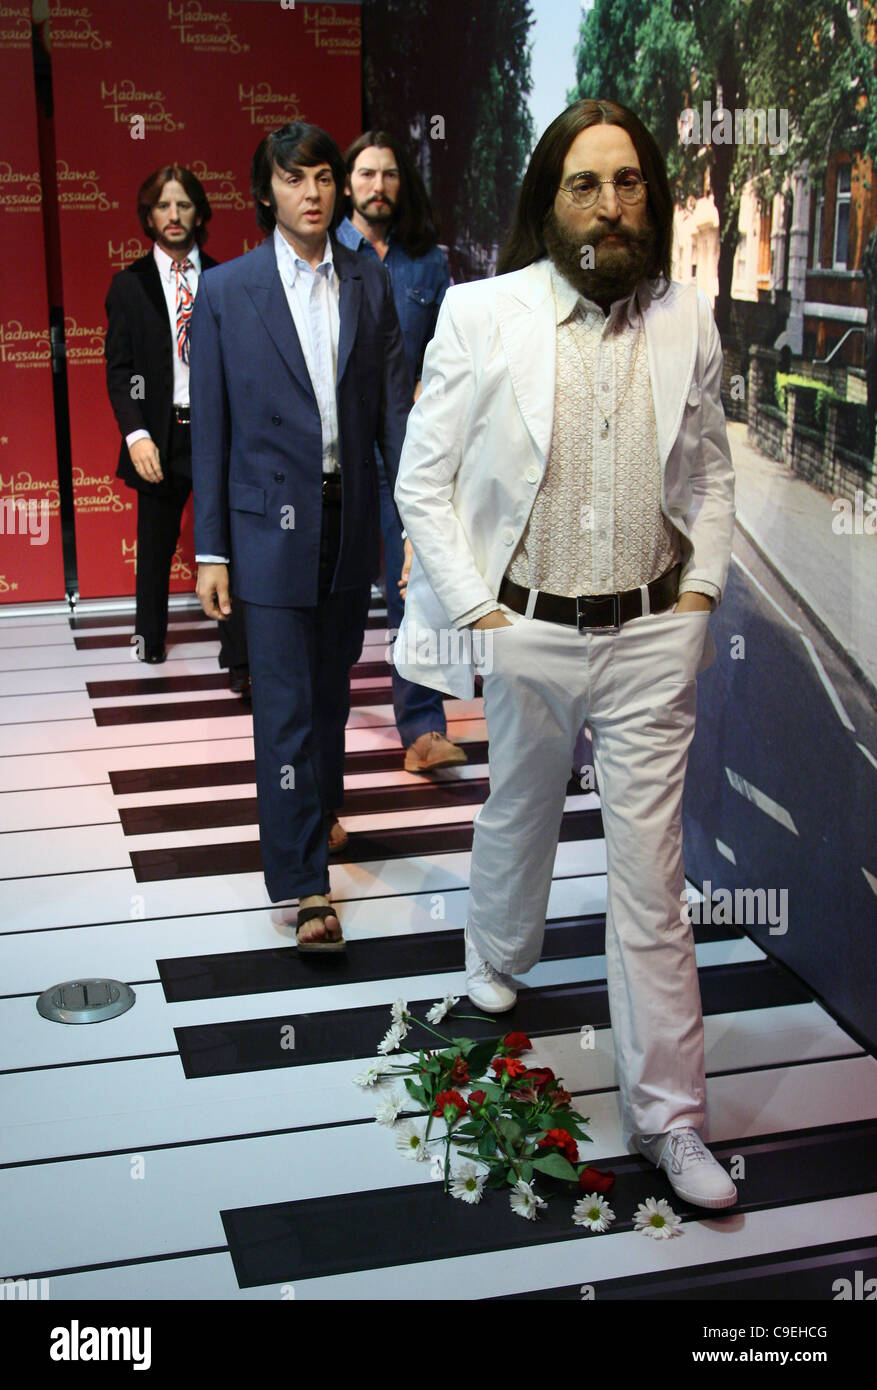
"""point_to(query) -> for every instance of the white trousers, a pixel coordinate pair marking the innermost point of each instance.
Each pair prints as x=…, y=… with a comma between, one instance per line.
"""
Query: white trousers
x=637, y=692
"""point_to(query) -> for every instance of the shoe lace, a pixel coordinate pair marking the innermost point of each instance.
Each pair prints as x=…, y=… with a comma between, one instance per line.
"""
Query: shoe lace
x=685, y=1145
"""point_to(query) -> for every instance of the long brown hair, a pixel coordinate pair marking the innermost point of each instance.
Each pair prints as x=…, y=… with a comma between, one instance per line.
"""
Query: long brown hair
x=525, y=242
x=414, y=225
x=151, y=189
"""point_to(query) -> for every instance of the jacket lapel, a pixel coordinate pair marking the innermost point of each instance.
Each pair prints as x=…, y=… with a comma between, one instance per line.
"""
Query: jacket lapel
x=265, y=288
x=350, y=298
x=670, y=324
x=526, y=317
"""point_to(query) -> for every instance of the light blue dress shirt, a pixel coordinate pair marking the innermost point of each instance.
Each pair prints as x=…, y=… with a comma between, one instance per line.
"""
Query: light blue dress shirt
x=312, y=296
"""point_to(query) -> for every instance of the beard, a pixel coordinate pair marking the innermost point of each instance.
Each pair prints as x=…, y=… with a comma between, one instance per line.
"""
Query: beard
x=374, y=214
x=619, y=266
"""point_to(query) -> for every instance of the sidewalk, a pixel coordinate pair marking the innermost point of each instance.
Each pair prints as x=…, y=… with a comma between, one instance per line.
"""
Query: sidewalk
x=790, y=523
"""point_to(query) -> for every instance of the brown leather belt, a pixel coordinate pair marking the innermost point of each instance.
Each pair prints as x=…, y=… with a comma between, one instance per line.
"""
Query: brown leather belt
x=604, y=611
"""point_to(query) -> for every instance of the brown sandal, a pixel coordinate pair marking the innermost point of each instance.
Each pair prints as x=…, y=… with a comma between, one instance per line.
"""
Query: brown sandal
x=306, y=914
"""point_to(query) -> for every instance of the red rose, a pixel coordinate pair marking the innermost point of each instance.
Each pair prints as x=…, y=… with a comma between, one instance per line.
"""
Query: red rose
x=446, y=1098
x=516, y=1042
x=510, y=1065
x=459, y=1071
x=477, y=1098
x=592, y=1180
x=539, y=1076
x=559, y=1139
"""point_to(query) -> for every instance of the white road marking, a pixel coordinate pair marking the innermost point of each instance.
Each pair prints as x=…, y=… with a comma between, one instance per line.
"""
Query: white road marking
x=829, y=688
x=760, y=799
x=761, y=589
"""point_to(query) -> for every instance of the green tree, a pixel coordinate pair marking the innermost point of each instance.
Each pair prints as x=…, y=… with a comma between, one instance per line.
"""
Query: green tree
x=470, y=66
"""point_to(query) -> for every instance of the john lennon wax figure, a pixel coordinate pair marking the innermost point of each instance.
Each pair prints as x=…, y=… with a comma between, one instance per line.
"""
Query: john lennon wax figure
x=566, y=482
x=298, y=371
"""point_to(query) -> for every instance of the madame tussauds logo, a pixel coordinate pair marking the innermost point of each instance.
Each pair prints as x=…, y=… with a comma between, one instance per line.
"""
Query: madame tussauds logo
x=19, y=192
x=15, y=26
x=127, y=251
x=83, y=344
x=329, y=29
x=103, y=499
x=81, y=34
x=79, y=190
x=220, y=186
x=125, y=100
x=264, y=105
x=23, y=346
x=203, y=29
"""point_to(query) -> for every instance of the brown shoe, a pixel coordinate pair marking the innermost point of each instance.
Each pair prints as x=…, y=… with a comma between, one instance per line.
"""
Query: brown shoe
x=432, y=751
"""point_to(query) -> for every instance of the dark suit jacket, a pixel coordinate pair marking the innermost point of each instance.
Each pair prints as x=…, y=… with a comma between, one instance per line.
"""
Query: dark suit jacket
x=256, y=434
x=139, y=343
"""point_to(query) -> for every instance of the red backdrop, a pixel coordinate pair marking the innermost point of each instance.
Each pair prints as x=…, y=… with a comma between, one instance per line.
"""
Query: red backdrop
x=138, y=86
x=31, y=566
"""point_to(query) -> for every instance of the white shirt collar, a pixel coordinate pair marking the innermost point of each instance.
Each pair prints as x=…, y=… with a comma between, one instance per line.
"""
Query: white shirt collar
x=165, y=262
x=290, y=263
x=567, y=297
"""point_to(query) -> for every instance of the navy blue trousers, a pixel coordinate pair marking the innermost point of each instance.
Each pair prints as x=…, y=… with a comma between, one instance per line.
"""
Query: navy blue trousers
x=300, y=660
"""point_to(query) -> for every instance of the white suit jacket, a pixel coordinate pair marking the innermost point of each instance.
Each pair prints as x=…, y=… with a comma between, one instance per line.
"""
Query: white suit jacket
x=477, y=443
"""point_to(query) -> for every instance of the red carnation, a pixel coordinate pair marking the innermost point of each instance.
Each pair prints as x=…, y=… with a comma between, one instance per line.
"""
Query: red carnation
x=446, y=1098
x=510, y=1065
x=477, y=1098
x=560, y=1139
x=516, y=1042
x=592, y=1180
x=539, y=1076
x=460, y=1071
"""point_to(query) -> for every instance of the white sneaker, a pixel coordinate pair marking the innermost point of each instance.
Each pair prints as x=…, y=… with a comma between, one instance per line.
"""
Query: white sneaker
x=488, y=988
x=693, y=1172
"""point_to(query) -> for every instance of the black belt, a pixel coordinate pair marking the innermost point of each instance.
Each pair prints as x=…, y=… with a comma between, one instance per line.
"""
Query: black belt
x=607, y=611
x=332, y=488
x=181, y=414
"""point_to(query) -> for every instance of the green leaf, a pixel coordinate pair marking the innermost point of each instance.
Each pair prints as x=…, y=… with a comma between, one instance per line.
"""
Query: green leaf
x=463, y=1045
x=415, y=1090
x=510, y=1129
x=487, y=1145
x=527, y=1171
x=556, y=1166
x=470, y=1127
x=497, y=1176
x=480, y=1055
x=491, y=1090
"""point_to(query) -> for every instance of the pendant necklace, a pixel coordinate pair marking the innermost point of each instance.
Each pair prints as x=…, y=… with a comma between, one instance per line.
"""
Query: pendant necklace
x=604, y=428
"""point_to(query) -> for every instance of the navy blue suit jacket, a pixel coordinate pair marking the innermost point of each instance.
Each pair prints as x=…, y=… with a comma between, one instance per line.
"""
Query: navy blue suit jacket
x=256, y=433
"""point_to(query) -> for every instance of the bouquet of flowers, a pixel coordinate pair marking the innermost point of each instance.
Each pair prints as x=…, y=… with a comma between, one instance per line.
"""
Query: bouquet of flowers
x=514, y=1121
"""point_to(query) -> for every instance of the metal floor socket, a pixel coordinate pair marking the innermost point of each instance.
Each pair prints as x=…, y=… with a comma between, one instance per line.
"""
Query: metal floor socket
x=85, y=1001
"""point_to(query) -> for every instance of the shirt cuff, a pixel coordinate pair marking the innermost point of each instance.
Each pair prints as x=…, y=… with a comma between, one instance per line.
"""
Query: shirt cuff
x=211, y=559
x=701, y=586
x=473, y=614
x=135, y=435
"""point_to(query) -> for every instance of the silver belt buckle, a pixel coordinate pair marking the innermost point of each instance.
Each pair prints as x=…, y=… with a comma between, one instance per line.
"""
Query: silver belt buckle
x=614, y=626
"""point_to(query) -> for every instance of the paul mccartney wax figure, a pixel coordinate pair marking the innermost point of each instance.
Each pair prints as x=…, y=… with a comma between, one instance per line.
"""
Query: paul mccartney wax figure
x=149, y=308
x=567, y=484
x=298, y=371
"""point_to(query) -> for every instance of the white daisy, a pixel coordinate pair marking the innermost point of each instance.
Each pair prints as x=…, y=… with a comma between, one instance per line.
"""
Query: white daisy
x=655, y=1217
x=392, y=1038
x=389, y=1108
x=524, y=1200
x=467, y=1182
x=401, y=1016
x=438, y=1011
x=594, y=1212
x=373, y=1073
x=409, y=1141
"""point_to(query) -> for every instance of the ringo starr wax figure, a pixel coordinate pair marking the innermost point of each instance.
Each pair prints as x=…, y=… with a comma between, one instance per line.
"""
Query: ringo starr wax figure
x=149, y=308
x=567, y=485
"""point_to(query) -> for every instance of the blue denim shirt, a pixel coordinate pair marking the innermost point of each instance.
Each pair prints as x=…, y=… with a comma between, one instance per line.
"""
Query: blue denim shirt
x=419, y=286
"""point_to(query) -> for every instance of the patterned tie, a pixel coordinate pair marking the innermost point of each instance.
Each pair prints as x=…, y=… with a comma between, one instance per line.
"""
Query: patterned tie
x=185, y=300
